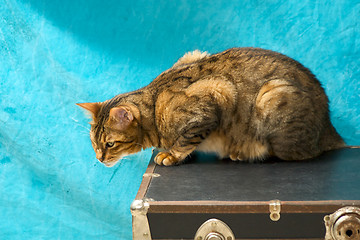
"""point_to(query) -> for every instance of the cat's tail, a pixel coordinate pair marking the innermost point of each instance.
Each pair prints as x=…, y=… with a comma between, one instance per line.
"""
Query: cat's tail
x=331, y=139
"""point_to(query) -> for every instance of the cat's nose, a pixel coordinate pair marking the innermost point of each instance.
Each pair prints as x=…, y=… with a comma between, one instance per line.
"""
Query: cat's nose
x=99, y=155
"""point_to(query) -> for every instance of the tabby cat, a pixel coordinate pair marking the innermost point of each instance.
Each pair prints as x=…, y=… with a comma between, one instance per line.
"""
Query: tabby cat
x=243, y=103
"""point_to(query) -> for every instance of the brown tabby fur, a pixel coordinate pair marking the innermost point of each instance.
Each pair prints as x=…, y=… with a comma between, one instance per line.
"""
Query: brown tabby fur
x=243, y=103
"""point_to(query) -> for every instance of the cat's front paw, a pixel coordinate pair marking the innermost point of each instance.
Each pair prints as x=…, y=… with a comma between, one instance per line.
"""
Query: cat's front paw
x=236, y=157
x=165, y=158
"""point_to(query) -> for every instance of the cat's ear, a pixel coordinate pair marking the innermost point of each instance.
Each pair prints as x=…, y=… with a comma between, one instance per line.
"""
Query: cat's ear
x=120, y=117
x=92, y=108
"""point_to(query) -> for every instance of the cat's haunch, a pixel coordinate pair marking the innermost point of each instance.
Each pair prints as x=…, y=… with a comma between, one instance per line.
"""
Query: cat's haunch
x=243, y=103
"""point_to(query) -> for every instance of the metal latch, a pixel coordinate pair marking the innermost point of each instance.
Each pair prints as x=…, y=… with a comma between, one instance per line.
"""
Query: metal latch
x=275, y=208
x=214, y=229
x=344, y=224
x=140, y=224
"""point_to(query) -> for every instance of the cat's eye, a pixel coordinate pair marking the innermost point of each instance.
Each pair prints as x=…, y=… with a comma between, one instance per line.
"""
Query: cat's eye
x=110, y=144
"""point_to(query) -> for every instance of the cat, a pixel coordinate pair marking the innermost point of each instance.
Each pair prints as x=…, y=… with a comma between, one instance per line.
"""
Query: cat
x=243, y=103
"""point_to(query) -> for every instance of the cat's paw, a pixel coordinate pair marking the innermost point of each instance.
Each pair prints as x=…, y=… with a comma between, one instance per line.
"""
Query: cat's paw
x=236, y=157
x=165, y=158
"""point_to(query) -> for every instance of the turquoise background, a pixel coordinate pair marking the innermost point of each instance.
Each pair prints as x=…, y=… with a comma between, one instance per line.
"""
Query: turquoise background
x=54, y=54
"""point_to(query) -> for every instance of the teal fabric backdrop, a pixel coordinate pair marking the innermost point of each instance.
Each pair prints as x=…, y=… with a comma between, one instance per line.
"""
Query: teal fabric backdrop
x=54, y=54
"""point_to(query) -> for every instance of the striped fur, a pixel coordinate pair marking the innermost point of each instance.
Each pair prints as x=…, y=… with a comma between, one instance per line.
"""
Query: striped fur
x=243, y=103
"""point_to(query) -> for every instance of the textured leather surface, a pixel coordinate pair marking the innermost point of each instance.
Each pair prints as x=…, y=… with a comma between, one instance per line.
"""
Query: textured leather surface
x=333, y=176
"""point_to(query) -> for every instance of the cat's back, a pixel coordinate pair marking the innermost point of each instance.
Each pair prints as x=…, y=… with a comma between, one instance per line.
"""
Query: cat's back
x=244, y=66
x=250, y=76
x=256, y=66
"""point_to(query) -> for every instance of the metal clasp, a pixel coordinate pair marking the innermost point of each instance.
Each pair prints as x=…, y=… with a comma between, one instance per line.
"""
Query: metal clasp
x=275, y=208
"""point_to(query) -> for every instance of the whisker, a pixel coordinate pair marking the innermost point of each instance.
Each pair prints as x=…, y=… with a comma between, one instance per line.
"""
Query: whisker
x=81, y=125
x=124, y=158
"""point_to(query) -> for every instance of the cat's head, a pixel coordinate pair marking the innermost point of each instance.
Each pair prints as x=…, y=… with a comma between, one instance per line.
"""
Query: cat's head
x=114, y=131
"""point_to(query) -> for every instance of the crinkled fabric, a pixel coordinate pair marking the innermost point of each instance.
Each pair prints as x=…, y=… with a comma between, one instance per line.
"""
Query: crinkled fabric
x=54, y=54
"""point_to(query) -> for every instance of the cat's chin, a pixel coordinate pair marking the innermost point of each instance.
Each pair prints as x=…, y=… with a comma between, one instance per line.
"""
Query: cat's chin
x=110, y=164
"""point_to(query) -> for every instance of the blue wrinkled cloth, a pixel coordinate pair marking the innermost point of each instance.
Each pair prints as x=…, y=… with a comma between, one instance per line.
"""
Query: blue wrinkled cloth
x=54, y=54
